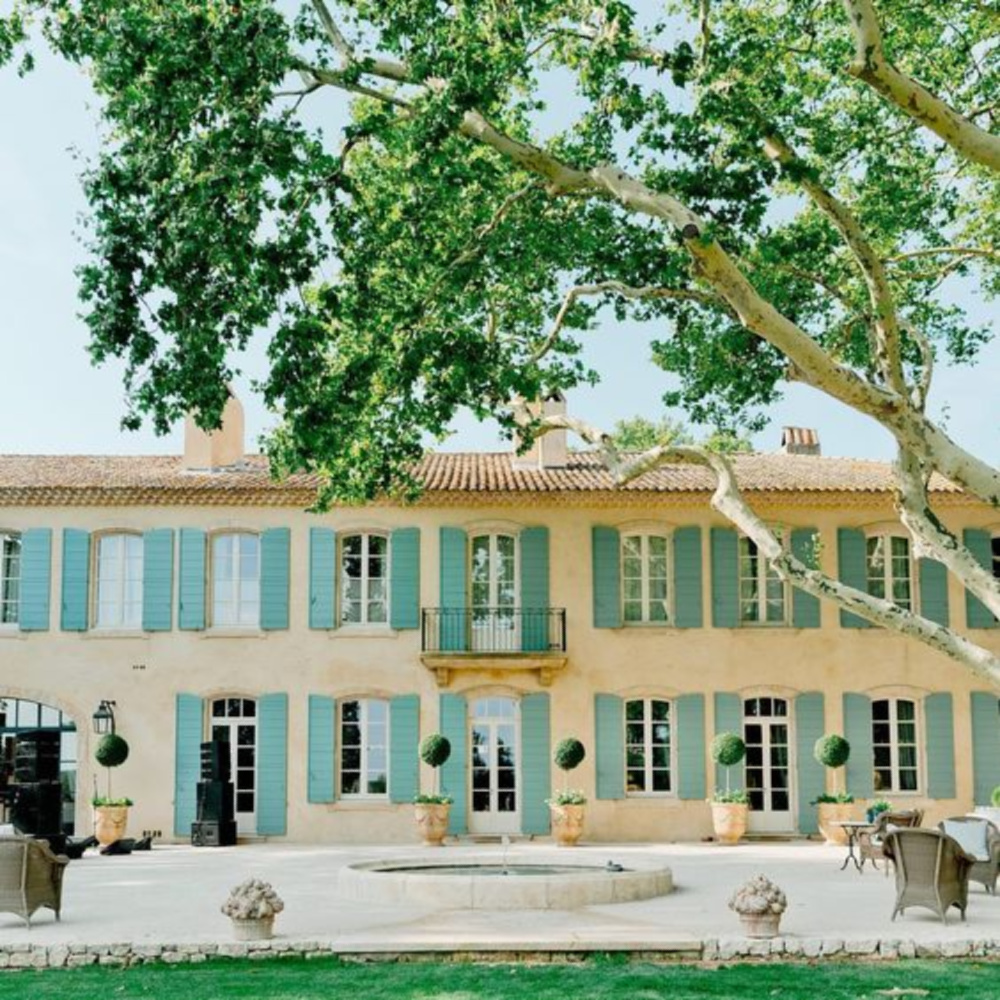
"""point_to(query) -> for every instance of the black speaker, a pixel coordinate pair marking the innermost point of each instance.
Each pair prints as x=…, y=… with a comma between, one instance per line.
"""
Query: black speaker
x=210, y=834
x=215, y=801
x=36, y=756
x=36, y=809
x=216, y=761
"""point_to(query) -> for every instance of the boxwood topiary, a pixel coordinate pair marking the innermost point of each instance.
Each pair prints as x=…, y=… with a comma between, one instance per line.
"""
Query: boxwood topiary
x=435, y=749
x=569, y=754
x=832, y=750
x=728, y=749
x=112, y=751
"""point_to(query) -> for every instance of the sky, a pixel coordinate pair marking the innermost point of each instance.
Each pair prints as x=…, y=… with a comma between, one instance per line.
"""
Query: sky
x=53, y=401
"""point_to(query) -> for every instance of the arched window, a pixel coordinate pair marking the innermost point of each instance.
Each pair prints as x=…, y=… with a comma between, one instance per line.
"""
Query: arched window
x=118, y=595
x=10, y=578
x=236, y=579
x=364, y=580
x=645, y=574
x=648, y=741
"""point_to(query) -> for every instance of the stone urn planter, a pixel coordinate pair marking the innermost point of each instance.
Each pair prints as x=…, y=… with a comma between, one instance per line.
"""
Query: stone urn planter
x=567, y=822
x=432, y=822
x=253, y=930
x=829, y=815
x=759, y=903
x=729, y=821
x=251, y=908
x=110, y=823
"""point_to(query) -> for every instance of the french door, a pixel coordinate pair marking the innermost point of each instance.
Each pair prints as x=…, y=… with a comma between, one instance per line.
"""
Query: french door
x=234, y=721
x=767, y=770
x=493, y=577
x=495, y=765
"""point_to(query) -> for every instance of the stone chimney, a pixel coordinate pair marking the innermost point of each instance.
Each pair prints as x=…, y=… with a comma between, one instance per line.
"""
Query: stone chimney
x=800, y=441
x=551, y=450
x=221, y=449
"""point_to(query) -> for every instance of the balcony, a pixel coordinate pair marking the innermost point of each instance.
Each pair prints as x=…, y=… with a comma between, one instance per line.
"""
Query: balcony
x=497, y=640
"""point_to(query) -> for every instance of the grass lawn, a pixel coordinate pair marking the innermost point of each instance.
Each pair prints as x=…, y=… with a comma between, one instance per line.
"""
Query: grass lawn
x=598, y=978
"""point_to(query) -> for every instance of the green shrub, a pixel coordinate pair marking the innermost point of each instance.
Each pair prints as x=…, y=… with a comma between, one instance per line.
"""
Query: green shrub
x=995, y=797
x=735, y=797
x=832, y=750
x=112, y=751
x=568, y=797
x=728, y=749
x=435, y=749
x=569, y=754
x=838, y=798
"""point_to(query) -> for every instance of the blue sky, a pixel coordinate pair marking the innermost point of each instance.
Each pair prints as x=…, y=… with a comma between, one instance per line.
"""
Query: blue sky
x=52, y=401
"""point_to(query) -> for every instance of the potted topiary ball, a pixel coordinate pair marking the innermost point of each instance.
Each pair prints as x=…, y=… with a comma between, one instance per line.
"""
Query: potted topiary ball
x=833, y=808
x=729, y=806
x=567, y=806
x=110, y=813
x=432, y=809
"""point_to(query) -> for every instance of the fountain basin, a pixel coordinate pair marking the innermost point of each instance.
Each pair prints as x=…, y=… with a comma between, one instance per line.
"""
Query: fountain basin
x=478, y=882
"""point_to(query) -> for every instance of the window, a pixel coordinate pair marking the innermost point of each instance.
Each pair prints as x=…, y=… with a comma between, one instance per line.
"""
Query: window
x=894, y=745
x=10, y=578
x=364, y=580
x=888, y=566
x=119, y=581
x=647, y=746
x=995, y=549
x=644, y=579
x=762, y=591
x=235, y=580
x=364, y=747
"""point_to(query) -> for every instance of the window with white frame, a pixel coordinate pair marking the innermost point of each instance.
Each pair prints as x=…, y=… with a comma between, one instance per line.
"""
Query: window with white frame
x=763, y=594
x=644, y=579
x=647, y=746
x=894, y=745
x=364, y=580
x=888, y=569
x=118, y=597
x=10, y=578
x=364, y=747
x=236, y=579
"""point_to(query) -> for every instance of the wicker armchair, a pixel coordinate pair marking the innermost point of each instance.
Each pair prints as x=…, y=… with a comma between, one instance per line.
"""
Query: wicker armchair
x=932, y=871
x=30, y=877
x=870, y=841
x=980, y=839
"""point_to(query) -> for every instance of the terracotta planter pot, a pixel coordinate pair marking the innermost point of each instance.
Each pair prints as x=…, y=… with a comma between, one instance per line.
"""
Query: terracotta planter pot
x=432, y=822
x=760, y=925
x=567, y=823
x=729, y=820
x=829, y=815
x=110, y=823
x=259, y=929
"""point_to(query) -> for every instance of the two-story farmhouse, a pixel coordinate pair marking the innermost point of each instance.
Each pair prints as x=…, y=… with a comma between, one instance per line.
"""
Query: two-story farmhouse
x=521, y=600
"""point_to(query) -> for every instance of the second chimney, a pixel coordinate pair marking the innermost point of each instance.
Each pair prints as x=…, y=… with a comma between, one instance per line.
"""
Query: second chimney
x=800, y=441
x=551, y=450
x=219, y=449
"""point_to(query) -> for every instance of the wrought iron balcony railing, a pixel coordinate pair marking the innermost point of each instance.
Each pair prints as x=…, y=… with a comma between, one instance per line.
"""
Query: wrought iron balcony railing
x=493, y=630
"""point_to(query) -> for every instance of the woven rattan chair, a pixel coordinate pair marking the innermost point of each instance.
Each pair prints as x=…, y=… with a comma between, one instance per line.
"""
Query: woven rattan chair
x=870, y=841
x=932, y=871
x=30, y=877
x=979, y=838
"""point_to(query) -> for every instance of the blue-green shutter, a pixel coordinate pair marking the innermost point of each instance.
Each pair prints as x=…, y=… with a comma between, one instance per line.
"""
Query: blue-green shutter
x=606, y=559
x=728, y=719
x=858, y=732
x=690, y=730
x=75, y=579
x=404, y=741
x=188, y=736
x=272, y=765
x=985, y=745
x=404, y=600
x=191, y=580
x=322, y=748
x=536, y=771
x=852, y=566
x=36, y=569
x=809, y=774
x=274, y=578
x=453, y=632
x=725, y=578
x=534, y=544
x=322, y=577
x=454, y=771
x=687, y=577
x=940, y=728
x=934, y=591
x=158, y=580
x=805, y=607
x=609, y=741
x=980, y=544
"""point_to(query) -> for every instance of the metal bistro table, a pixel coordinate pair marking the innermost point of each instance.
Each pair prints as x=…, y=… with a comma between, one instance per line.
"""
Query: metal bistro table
x=853, y=828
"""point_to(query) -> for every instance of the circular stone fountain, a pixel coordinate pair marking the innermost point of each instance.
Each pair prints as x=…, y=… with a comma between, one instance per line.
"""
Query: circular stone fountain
x=541, y=881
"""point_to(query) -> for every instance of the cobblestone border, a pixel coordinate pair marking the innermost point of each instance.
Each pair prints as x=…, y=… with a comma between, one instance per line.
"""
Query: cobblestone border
x=29, y=956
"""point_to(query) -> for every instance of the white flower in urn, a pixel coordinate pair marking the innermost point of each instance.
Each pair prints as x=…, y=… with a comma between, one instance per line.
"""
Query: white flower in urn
x=253, y=900
x=757, y=897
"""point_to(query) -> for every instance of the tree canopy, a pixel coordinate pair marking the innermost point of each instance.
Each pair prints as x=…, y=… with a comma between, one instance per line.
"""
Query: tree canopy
x=783, y=189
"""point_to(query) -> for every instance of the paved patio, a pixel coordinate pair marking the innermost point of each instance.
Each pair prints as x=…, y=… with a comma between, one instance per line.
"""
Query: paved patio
x=171, y=897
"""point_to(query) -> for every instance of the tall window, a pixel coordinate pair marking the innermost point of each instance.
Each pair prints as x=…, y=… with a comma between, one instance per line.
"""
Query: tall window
x=236, y=579
x=364, y=747
x=647, y=746
x=644, y=579
x=888, y=565
x=995, y=549
x=894, y=744
x=364, y=580
x=119, y=581
x=762, y=591
x=10, y=578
